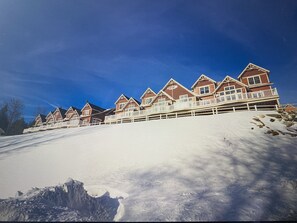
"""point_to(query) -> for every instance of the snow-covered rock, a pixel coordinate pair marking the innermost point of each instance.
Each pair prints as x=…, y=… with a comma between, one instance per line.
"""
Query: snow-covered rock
x=67, y=202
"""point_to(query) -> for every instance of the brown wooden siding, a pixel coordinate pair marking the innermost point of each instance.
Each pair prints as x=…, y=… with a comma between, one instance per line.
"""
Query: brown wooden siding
x=160, y=97
x=204, y=83
x=38, y=122
x=260, y=88
x=253, y=72
x=122, y=100
x=207, y=97
x=231, y=83
x=147, y=95
x=263, y=77
x=177, y=91
x=132, y=103
x=87, y=107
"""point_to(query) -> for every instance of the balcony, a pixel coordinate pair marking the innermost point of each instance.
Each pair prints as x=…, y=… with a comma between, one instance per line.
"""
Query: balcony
x=191, y=103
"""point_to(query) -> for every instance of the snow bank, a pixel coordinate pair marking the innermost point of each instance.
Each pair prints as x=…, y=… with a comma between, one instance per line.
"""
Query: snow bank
x=68, y=202
x=220, y=167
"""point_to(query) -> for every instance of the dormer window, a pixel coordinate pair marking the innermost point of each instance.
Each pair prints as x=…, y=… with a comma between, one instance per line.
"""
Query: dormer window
x=122, y=105
x=254, y=80
x=204, y=90
x=148, y=100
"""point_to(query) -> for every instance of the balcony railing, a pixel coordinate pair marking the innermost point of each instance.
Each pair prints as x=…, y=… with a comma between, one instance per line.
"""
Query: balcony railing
x=54, y=125
x=190, y=103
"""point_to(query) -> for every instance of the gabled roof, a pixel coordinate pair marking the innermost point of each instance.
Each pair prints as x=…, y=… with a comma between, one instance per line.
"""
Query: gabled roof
x=171, y=79
x=62, y=111
x=73, y=109
x=251, y=65
x=202, y=76
x=43, y=117
x=162, y=92
x=148, y=89
x=49, y=114
x=231, y=78
x=131, y=99
x=123, y=96
x=95, y=107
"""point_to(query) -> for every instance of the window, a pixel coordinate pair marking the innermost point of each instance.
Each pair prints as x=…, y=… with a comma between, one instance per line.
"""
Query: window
x=122, y=105
x=86, y=112
x=183, y=97
x=229, y=89
x=148, y=100
x=254, y=80
x=130, y=107
x=204, y=90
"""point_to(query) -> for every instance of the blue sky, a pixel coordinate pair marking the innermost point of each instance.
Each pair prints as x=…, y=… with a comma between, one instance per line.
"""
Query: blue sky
x=62, y=53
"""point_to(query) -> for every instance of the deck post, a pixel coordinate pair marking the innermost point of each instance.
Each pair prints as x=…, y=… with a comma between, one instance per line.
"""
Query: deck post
x=248, y=107
x=175, y=115
x=160, y=116
x=166, y=116
x=233, y=109
x=213, y=111
x=276, y=107
x=256, y=108
x=146, y=118
x=217, y=110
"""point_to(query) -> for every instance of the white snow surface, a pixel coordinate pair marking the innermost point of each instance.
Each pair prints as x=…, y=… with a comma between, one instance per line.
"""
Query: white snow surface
x=195, y=168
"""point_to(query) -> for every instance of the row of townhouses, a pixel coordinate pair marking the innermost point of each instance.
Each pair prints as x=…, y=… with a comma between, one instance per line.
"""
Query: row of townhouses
x=90, y=114
x=251, y=87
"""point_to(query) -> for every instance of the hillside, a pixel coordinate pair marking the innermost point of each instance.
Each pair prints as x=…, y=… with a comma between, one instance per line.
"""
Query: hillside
x=218, y=167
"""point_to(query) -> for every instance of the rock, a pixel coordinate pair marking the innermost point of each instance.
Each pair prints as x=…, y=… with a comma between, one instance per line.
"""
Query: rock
x=67, y=202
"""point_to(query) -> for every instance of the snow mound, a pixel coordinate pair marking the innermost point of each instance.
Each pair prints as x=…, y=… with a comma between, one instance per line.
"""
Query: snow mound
x=67, y=202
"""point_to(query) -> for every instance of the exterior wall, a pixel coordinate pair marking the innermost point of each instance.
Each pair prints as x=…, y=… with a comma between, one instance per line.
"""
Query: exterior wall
x=38, y=122
x=160, y=97
x=50, y=119
x=207, y=97
x=255, y=72
x=131, y=103
x=86, y=119
x=147, y=95
x=203, y=83
x=58, y=116
x=260, y=88
x=177, y=91
x=87, y=108
x=69, y=113
x=121, y=100
x=231, y=83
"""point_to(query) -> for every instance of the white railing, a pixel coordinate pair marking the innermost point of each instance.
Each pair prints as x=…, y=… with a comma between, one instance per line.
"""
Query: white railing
x=190, y=103
x=54, y=125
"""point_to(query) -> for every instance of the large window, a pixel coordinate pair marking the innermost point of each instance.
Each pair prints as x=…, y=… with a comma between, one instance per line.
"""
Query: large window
x=122, y=105
x=148, y=100
x=86, y=112
x=183, y=97
x=254, y=80
x=204, y=90
x=229, y=89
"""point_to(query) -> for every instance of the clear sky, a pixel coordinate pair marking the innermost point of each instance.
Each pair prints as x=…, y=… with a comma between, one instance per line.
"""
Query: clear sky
x=62, y=53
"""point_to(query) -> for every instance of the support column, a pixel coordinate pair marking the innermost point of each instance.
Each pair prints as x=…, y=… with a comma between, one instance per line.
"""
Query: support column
x=248, y=107
x=233, y=109
x=256, y=108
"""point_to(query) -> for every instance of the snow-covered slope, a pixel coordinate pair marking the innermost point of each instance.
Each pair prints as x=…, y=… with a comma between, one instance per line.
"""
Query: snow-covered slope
x=221, y=167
